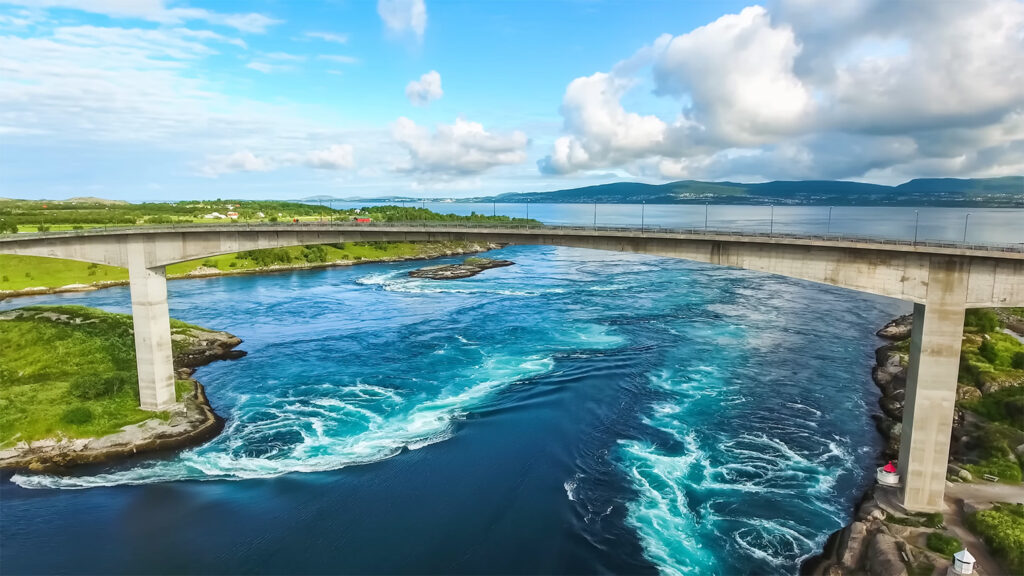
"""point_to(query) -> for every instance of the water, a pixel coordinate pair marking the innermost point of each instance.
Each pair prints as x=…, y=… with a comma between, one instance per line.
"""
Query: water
x=579, y=412
x=970, y=225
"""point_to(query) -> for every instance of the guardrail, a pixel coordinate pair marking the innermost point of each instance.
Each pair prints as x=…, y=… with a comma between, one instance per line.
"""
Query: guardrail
x=428, y=225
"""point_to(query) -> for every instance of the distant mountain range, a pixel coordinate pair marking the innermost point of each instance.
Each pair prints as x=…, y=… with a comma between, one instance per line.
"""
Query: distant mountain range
x=968, y=192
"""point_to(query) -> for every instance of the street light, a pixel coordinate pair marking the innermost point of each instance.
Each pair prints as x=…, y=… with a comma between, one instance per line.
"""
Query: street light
x=917, y=220
x=643, y=208
x=595, y=215
x=966, y=220
x=494, y=209
x=706, y=217
x=828, y=227
x=527, y=212
x=771, y=221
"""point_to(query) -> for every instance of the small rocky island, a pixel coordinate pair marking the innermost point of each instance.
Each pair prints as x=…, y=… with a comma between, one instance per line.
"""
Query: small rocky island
x=70, y=393
x=469, y=267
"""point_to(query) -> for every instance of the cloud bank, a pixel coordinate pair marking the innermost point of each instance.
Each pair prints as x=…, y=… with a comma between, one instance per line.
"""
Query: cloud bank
x=813, y=89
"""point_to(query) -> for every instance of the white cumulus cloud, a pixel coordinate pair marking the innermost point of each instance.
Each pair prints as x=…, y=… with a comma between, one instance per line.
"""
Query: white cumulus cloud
x=335, y=157
x=404, y=15
x=459, y=149
x=425, y=90
x=813, y=89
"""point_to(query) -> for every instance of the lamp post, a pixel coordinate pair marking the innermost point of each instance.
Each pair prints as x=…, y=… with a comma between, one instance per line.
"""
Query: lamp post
x=828, y=226
x=917, y=220
x=967, y=219
x=595, y=215
x=527, y=212
x=643, y=209
x=771, y=221
x=494, y=209
x=706, y=217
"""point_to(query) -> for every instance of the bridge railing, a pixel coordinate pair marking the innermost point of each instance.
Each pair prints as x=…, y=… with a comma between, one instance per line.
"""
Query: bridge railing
x=521, y=227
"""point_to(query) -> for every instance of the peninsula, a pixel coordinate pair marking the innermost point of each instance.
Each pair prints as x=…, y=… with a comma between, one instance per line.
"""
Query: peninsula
x=71, y=397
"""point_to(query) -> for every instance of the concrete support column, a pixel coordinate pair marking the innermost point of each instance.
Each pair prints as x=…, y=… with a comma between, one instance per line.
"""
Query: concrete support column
x=931, y=385
x=152, y=323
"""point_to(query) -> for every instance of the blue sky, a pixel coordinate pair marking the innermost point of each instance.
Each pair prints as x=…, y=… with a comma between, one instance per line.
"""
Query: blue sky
x=164, y=99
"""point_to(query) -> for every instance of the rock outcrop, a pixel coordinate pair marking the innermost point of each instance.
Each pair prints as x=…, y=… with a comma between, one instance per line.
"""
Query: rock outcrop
x=470, y=267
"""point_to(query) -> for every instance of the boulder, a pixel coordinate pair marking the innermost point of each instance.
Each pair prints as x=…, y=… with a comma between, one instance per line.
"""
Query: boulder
x=883, y=558
x=898, y=329
x=856, y=539
x=967, y=393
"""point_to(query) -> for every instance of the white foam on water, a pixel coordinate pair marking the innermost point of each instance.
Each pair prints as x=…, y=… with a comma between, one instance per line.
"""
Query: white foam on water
x=372, y=423
x=786, y=460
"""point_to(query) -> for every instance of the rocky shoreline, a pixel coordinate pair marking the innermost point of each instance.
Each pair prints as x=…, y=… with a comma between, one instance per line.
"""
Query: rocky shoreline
x=191, y=422
x=201, y=272
x=882, y=539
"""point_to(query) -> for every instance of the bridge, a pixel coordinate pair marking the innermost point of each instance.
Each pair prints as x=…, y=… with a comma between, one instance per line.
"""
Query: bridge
x=942, y=280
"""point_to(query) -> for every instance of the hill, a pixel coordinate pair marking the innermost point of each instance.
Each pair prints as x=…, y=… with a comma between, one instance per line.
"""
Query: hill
x=1005, y=192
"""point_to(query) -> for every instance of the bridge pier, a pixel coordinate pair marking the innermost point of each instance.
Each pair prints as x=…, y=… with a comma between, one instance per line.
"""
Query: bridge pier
x=931, y=385
x=152, y=323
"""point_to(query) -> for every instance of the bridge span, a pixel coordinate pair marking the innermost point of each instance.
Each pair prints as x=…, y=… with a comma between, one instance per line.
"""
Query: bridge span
x=941, y=280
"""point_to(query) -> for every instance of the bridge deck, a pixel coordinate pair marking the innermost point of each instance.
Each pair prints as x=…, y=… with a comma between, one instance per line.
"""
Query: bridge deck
x=1015, y=251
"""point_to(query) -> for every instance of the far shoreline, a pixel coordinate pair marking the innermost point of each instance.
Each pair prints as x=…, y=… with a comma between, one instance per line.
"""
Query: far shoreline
x=212, y=273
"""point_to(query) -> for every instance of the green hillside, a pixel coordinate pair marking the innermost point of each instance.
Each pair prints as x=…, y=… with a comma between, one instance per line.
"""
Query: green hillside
x=1007, y=192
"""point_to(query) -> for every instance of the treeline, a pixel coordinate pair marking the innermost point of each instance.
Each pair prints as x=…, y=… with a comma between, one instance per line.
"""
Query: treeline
x=49, y=213
x=410, y=214
x=45, y=214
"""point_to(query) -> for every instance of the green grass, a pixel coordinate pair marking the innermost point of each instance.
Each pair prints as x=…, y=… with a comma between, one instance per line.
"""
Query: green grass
x=944, y=544
x=20, y=272
x=76, y=379
x=1002, y=529
x=990, y=360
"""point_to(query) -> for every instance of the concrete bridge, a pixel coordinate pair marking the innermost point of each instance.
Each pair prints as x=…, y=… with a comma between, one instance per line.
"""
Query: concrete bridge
x=941, y=280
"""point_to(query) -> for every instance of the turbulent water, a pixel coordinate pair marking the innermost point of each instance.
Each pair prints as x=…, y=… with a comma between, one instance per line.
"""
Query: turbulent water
x=580, y=411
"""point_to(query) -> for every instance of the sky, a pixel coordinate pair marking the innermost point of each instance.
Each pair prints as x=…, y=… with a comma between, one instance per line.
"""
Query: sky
x=169, y=100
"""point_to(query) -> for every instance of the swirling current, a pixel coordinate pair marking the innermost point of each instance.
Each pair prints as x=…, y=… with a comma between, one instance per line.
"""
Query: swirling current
x=579, y=412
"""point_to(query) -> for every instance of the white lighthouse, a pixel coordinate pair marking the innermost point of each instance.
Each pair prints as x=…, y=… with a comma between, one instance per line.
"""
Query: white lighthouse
x=963, y=564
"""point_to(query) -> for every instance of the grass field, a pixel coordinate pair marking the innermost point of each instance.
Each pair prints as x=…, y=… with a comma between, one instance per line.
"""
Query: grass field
x=69, y=371
x=20, y=272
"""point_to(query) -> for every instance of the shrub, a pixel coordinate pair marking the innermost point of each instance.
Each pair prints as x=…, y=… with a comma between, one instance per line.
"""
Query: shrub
x=982, y=320
x=43, y=228
x=5, y=278
x=273, y=218
x=988, y=351
x=1003, y=468
x=210, y=263
x=267, y=257
x=1018, y=361
x=943, y=544
x=1002, y=529
x=77, y=415
x=314, y=254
